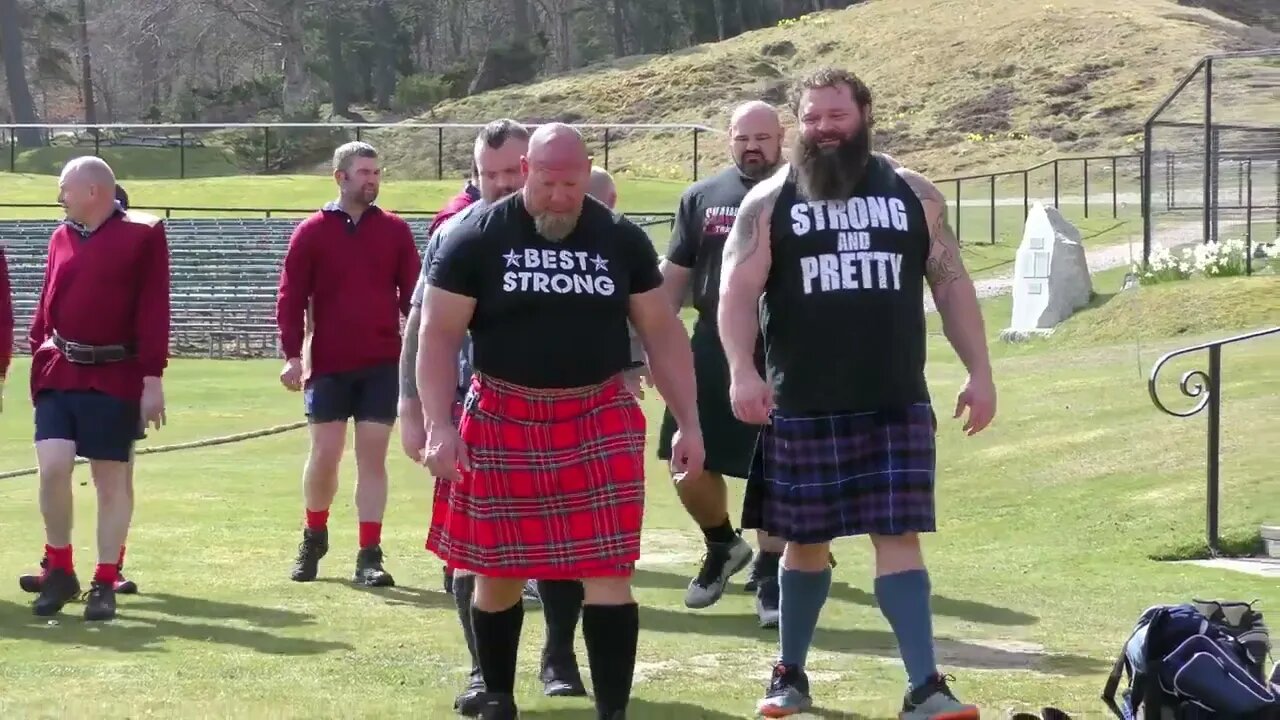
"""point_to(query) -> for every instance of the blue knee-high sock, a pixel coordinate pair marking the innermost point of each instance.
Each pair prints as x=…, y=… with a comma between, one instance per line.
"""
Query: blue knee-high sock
x=904, y=601
x=800, y=600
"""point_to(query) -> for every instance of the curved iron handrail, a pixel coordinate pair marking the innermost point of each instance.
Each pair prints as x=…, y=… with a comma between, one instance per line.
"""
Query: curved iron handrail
x=1206, y=385
x=1195, y=383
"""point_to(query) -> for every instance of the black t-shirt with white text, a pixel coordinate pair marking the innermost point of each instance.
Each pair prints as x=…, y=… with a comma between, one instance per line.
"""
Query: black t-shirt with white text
x=703, y=220
x=548, y=314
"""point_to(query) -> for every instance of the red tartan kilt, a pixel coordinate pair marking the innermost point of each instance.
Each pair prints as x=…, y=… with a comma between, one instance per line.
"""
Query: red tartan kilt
x=556, y=486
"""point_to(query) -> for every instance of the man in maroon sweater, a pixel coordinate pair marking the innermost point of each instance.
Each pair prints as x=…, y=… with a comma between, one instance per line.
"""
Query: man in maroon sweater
x=100, y=345
x=348, y=277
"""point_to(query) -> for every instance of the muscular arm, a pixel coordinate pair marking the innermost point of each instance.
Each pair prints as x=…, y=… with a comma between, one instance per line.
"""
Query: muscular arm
x=445, y=317
x=670, y=358
x=744, y=270
x=952, y=288
x=675, y=281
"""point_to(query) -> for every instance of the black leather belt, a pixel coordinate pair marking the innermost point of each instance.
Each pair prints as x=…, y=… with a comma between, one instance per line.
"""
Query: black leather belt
x=82, y=354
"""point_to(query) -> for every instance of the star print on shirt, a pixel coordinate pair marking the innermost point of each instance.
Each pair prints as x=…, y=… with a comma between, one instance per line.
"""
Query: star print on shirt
x=512, y=258
x=600, y=263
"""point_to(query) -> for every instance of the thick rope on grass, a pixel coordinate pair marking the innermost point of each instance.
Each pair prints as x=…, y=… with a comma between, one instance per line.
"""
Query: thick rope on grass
x=194, y=444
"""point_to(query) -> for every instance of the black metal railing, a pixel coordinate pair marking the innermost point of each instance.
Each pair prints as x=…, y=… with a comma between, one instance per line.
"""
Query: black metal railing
x=1213, y=125
x=1206, y=385
x=269, y=148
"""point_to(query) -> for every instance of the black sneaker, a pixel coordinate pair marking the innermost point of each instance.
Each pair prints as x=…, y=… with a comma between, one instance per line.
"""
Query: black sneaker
x=722, y=561
x=314, y=545
x=469, y=701
x=31, y=583
x=58, y=588
x=498, y=706
x=101, y=602
x=935, y=700
x=788, y=693
x=369, y=570
x=768, y=610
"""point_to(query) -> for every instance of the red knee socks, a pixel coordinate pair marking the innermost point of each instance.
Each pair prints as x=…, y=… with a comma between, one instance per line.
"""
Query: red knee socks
x=318, y=519
x=370, y=534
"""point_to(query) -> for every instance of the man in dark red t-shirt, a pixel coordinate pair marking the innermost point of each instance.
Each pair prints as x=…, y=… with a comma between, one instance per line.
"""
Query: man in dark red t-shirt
x=100, y=345
x=348, y=277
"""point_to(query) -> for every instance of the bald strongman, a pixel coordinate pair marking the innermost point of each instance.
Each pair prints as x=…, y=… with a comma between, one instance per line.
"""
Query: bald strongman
x=548, y=459
x=100, y=345
x=499, y=150
x=703, y=220
x=834, y=253
x=351, y=268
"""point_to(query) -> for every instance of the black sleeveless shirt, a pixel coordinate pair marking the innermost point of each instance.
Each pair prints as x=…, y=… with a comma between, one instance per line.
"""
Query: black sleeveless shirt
x=843, y=308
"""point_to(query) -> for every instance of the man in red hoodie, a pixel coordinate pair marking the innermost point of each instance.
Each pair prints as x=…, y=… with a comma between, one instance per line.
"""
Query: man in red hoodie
x=348, y=278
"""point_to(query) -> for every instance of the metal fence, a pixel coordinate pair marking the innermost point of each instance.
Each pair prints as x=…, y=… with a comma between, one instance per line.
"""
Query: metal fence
x=1213, y=154
x=422, y=151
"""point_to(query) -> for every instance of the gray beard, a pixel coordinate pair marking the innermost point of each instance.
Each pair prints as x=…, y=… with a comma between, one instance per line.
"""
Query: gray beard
x=555, y=227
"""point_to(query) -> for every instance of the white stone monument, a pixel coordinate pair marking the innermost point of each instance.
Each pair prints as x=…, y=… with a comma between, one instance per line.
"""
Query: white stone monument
x=1051, y=275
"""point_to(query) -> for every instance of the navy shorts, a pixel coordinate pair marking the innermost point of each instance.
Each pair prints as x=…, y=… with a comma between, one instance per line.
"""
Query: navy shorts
x=103, y=427
x=369, y=395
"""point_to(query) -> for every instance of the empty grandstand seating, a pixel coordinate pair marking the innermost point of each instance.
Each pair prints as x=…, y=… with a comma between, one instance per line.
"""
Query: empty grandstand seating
x=223, y=287
x=224, y=277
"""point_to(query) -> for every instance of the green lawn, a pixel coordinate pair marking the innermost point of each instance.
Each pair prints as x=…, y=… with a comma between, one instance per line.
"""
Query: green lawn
x=1048, y=521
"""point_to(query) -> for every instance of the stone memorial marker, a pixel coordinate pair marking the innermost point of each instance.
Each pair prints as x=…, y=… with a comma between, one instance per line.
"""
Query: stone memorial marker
x=1051, y=275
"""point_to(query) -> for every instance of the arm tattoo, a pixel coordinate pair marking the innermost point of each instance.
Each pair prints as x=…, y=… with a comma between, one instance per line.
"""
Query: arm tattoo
x=409, y=355
x=743, y=239
x=944, y=264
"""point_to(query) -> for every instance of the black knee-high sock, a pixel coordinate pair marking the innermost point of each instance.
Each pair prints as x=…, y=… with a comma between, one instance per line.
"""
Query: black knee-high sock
x=611, y=633
x=561, y=608
x=463, y=588
x=497, y=643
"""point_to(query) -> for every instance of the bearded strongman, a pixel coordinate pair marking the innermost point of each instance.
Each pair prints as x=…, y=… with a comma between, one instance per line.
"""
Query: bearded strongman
x=351, y=267
x=100, y=345
x=498, y=152
x=705, y=215
x=548, y=459
x=840, y=245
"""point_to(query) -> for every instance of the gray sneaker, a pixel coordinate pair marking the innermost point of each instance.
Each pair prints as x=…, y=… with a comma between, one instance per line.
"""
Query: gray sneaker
x=767, y=602
x=722, y=561
x=530, y=593
x=935, y=701
x=788, y=693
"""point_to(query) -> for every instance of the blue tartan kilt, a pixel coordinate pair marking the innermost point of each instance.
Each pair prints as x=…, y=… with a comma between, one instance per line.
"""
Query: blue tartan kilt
x=815, y=478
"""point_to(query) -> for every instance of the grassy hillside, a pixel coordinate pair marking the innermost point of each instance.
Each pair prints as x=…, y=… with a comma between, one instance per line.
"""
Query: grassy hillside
x=960, y=86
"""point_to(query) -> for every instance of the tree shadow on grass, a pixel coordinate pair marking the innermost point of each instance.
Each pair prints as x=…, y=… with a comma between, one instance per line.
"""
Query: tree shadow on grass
x=139, y=628
x=970, y=610
x=877, y=643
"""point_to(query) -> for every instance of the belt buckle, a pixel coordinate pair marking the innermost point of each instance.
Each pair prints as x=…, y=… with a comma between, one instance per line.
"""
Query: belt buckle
x=77, y=353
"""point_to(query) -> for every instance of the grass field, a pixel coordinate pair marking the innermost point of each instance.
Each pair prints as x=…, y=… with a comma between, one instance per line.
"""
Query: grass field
x=1042, y=562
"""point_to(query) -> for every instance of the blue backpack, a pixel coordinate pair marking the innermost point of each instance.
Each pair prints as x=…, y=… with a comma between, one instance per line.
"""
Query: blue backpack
x=1203, y=660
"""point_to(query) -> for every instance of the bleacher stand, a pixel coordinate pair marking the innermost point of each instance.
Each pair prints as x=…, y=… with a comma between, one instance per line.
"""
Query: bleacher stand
x=224, y=270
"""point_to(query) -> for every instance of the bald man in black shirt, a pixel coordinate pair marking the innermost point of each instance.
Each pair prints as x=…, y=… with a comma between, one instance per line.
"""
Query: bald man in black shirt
x=549, y=453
